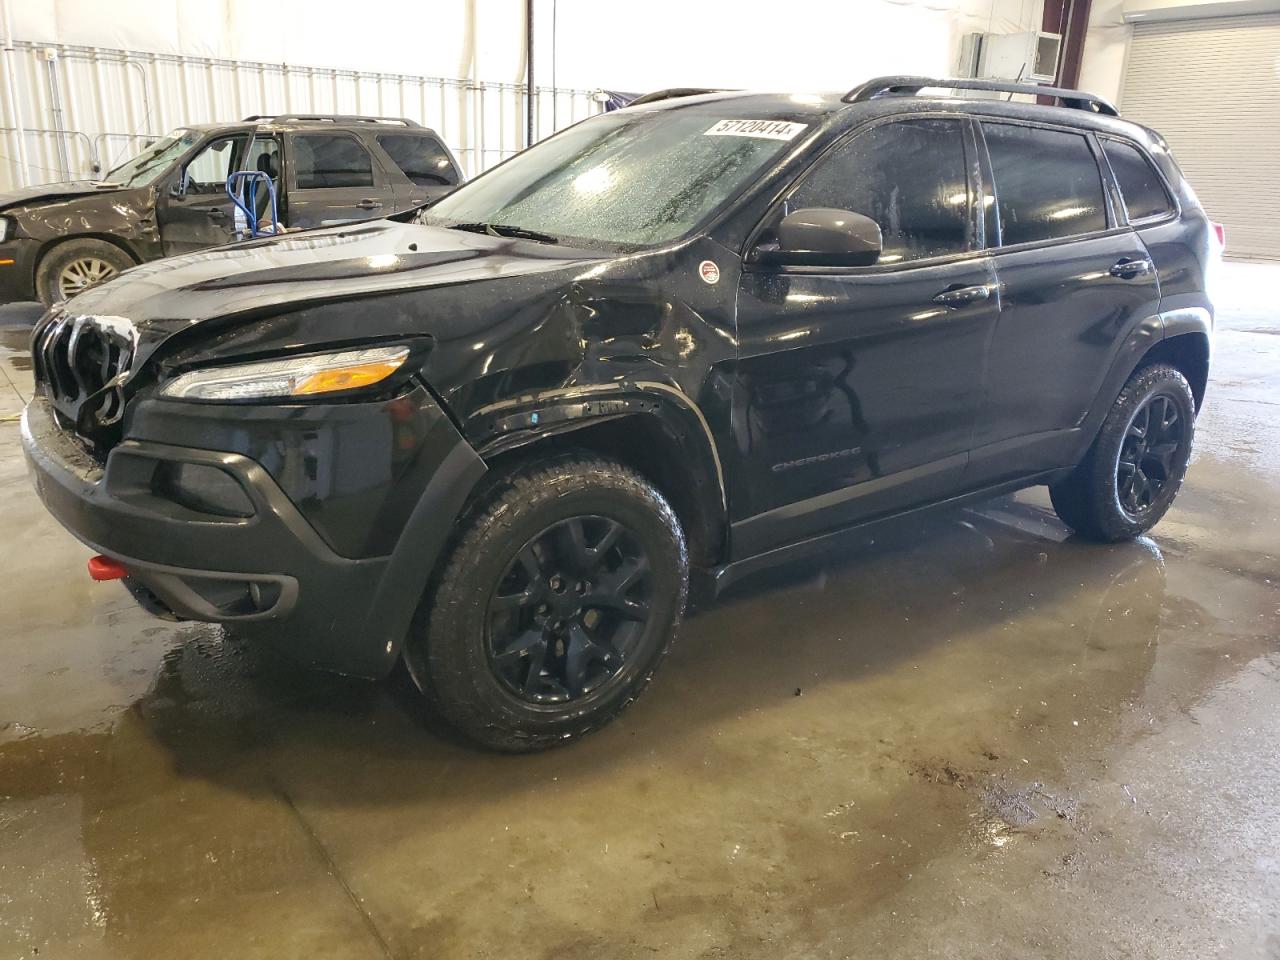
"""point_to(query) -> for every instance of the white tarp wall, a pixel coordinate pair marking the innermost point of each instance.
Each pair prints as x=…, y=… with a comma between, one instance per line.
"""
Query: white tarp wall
x=113, y=74
x=803, y=45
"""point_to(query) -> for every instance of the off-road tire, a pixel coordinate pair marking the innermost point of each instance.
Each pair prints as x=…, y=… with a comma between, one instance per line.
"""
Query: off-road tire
x=1089, y=499
x=57, y=259
x=448, y=649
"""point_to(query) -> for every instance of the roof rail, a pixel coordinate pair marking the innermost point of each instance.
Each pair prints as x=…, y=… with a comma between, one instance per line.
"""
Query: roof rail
x=671, y=93
x=909, y=86
x=332, y=118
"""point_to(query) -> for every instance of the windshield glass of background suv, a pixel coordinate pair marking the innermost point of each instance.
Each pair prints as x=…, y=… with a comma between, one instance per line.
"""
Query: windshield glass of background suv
x=624, y=178
x=151, y=163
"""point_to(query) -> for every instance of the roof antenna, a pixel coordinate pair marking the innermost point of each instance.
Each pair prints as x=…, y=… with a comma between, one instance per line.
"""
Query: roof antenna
x=1017, y=79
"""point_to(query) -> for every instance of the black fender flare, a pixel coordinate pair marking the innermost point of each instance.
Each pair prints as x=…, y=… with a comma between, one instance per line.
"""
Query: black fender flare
x=511, y=424
x=1144, y=337
x=417, y=552
x=1188, y=320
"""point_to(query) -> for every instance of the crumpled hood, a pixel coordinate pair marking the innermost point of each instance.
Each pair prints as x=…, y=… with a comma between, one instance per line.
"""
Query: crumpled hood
x=295, y=270
x=54, y=192
x=311, y=288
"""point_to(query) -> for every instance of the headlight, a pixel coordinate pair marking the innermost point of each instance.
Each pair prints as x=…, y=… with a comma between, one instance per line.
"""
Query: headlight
x=294, y=377
x=6, y=228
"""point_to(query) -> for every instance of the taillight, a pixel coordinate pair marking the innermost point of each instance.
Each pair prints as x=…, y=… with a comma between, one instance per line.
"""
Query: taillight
x=1221, y=233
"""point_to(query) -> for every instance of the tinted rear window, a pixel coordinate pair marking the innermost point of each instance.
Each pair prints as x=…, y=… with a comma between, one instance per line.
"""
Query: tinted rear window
x=1140, y=185
x=420, y=158
x=1047, y=183
x=330, y=160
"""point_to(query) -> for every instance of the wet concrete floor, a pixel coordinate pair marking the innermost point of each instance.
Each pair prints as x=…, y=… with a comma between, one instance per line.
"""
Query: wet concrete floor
x=972, y=737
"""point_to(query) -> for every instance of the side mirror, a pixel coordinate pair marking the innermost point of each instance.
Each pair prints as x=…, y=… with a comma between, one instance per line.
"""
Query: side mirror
x=825, y=237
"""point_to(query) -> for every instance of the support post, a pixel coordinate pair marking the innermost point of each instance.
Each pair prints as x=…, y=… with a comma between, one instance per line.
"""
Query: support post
x=529, y=87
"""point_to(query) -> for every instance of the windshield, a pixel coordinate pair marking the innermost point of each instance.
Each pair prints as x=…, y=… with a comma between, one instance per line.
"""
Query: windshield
x=151, y=163
x=628, y=178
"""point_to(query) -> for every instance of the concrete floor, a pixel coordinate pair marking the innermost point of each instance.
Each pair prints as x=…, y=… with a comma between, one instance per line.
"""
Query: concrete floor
x=974, y=737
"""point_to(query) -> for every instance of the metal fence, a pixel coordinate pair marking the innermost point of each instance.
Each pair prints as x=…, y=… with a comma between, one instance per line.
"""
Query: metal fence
x=82, y=110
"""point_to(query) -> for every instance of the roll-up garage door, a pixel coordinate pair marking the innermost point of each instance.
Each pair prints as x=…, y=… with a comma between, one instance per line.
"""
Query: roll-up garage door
x=1212, y=88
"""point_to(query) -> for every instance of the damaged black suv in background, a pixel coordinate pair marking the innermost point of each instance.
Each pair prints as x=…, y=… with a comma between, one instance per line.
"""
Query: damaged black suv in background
x=500, y=437
x=58, y=239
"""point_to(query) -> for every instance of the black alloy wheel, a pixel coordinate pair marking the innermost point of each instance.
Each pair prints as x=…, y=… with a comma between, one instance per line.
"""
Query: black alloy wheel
x=569, y=610
x=1151, y=447
x=559, y=598
x=1133, y=469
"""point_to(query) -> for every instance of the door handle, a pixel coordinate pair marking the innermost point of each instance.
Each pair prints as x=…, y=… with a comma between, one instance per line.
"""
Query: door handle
x=959, y=296
x=216, y=213
x=1128, y=269
x=368, y=203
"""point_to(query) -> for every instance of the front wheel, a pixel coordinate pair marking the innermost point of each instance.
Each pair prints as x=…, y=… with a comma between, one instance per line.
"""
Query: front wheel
x=76, y=265
x=1129, y=477
x=556, y=605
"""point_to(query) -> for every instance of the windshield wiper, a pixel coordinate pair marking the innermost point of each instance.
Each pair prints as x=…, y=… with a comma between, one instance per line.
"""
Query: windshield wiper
x=506, y=230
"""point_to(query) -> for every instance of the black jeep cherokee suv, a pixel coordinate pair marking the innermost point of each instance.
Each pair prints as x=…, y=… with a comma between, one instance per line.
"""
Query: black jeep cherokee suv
x=496, y=437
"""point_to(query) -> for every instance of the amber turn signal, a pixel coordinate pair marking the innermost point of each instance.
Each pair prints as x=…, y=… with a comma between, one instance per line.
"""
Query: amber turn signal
x=346, y=378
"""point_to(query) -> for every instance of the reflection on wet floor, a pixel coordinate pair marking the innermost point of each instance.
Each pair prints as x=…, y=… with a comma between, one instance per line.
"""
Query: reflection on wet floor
x=972, y=735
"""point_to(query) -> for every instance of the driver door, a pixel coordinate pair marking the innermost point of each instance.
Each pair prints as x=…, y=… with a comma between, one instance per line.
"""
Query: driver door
x=857, y=388
x=198, y=213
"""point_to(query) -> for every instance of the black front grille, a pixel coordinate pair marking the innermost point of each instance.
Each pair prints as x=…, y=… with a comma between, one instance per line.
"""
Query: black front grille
x=80, y=363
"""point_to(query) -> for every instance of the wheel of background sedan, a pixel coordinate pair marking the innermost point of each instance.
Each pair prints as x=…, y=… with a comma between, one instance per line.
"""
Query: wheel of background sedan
x=1129, y=477
x=76, y=265
x=561, y=596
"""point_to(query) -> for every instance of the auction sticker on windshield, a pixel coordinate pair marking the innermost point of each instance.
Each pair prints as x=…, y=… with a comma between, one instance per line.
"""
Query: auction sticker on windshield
x=765, y=129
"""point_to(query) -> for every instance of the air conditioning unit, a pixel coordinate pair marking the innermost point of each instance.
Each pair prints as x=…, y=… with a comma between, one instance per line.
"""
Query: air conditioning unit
x=970, y=55
x=1032, y=55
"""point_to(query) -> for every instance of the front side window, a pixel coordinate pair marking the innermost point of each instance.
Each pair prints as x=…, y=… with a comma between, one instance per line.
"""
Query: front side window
x=631, y=178
x=1140, y=186
x=1047, y=183
x=325, y=160
x=419, y=158
x=208, y=171
x=909, y=177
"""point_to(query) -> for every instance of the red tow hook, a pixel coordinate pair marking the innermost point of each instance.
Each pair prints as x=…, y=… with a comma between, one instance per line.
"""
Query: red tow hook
x=104, y=568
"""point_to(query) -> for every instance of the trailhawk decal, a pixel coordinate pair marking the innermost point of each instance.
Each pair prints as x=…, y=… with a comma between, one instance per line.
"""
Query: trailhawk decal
x=764, y=129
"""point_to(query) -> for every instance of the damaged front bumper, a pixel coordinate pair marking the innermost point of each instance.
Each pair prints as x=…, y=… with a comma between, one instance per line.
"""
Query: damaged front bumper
x=268, y=572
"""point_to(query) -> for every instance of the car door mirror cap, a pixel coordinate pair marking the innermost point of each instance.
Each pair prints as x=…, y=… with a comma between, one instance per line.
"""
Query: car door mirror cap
x=824, y=237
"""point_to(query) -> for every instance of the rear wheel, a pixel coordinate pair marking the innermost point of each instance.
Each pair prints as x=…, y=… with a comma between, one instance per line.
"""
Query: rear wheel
x=556, y=605
x=76, y=265
x=1130, y=476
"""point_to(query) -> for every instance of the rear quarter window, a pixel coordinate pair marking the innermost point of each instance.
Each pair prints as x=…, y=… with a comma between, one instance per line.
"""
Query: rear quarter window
x=420, y=158
x=1047, y=182
x=1140, y=185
